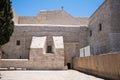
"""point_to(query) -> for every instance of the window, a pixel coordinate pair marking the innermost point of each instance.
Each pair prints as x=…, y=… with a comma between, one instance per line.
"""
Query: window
x=18, y=42
x=49, y=49
x=100, y=27
x=90, y=33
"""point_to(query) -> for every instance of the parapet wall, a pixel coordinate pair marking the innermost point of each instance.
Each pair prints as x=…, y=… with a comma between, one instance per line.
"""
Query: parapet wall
x=17, y=63
x=103, y=65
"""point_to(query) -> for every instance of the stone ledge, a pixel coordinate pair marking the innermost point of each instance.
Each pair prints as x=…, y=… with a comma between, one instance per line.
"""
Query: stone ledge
x=52, y=25
x=14, y=60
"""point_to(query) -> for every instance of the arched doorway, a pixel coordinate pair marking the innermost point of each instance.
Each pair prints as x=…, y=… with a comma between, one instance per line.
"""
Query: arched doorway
x=69, y=65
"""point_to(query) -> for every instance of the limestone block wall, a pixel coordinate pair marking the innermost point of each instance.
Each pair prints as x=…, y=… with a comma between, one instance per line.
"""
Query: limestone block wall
x=45, y=62
x=38, y=47
x=115, y=41
x=99, y=36
x=107, y=16
x=14, y=51
x=106, y=65
x=83, y=21
x=115, y=25
x=27, y=20
x=70, y=52
x=59, y=45
x=17, y=63
x=115, y=13
x=37, y=58
x=53, y=17
x=24, y=33
x=83, y=36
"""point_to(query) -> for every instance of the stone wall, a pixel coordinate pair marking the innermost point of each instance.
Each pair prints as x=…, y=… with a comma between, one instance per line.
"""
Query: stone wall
x=83, y=36
x=17, y=63
x=38, y=57
x=53, y=17
x=115, y=13
x=25, y=32
x=106, y=66
x=46, y=62
x=115, y=25
x=38, y=46
x=99, y=39
x=70, y=52
x=115, y=41
x=107, y=16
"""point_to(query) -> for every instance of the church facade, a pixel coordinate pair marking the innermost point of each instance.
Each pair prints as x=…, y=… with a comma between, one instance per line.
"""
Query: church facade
x=51, y=39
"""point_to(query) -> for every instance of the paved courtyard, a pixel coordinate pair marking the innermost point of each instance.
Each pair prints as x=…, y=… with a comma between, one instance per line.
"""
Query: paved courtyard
x=46, y=75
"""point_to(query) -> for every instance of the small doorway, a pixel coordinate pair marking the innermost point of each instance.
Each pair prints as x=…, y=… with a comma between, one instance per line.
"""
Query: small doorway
x=69, y=65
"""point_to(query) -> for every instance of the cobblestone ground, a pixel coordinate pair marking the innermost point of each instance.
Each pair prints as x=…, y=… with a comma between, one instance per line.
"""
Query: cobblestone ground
x=46, y=75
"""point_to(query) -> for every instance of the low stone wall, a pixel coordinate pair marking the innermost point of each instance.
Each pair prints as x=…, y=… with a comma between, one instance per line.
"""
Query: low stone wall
x=107, y=66
x=7, y=63
x=52, y=62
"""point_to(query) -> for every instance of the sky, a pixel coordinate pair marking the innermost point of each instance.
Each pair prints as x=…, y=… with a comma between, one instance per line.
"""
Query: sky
x=82, y=8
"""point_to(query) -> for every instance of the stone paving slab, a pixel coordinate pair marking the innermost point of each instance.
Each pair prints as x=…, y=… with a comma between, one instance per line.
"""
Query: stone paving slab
x=46, y=75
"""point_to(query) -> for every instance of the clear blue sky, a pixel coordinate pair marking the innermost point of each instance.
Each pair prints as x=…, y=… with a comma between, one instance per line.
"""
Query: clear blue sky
x=84, y=8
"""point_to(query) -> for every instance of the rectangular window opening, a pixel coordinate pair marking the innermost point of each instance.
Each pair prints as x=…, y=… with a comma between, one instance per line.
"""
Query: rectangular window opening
x=100, y=27
x=49, y=49
x=90, y=33
x=18, y=42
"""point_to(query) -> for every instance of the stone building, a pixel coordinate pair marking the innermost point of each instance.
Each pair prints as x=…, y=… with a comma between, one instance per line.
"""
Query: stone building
x=51, y=39
x=104, y=26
